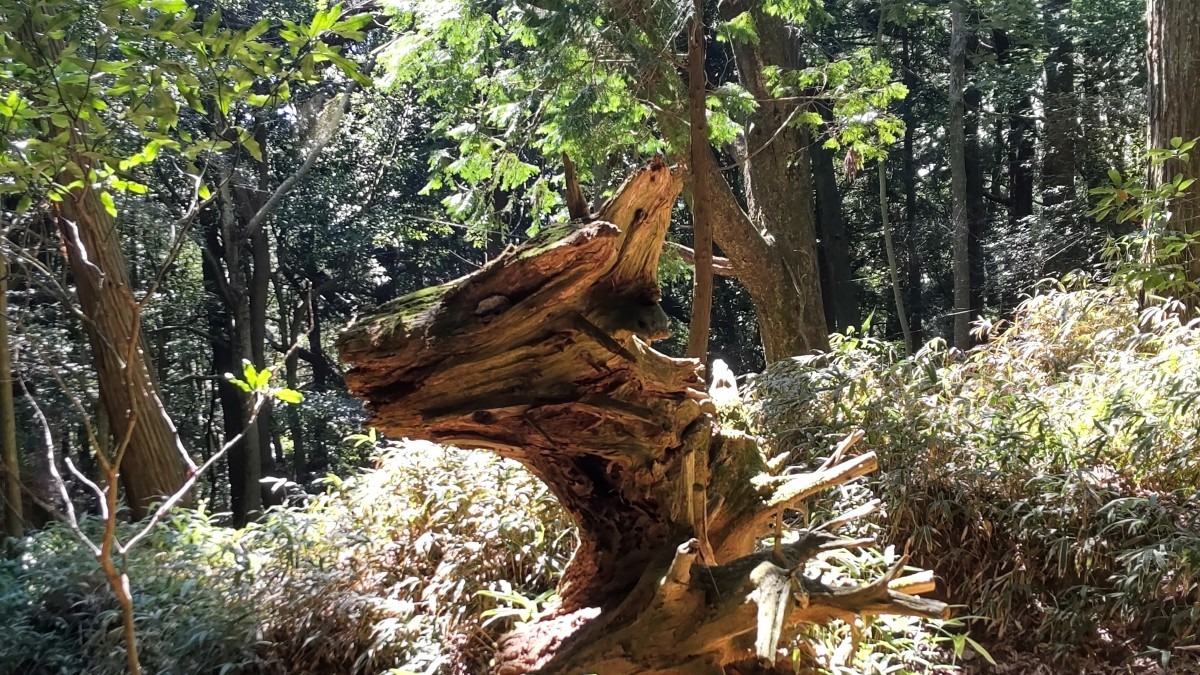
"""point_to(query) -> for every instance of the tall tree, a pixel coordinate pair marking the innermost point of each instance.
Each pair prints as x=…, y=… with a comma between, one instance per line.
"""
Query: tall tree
x=956, y=141
x=778, y=180
x=1021, y=138
x=700, y=158
x=912, y=257
x=1173, y=59
x=1061, y=111
x=976, y=167
x=155, y=461
x=10, y=461
x=838, y=289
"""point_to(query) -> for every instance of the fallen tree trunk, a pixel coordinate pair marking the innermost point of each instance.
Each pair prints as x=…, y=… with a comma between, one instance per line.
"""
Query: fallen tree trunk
x=543, y=356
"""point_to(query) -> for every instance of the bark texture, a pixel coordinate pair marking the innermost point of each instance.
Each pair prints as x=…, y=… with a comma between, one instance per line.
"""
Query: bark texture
x=771, y=242
x=838, y=289
x=701, y=157
x=1174, y=101
x=154, y=463
x=10, y=460
x=777, y=170
x=1061, y=105
x=543, y=356
x=956, y=139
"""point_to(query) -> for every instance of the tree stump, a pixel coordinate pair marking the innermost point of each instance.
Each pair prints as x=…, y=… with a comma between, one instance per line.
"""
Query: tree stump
x=543, y=356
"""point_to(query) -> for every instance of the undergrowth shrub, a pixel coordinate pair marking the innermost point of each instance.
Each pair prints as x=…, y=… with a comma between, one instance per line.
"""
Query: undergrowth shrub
x=382, y=573
x=1049, y=477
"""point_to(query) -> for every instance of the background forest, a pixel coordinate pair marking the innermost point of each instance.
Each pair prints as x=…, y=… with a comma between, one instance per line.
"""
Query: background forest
x=963, y=227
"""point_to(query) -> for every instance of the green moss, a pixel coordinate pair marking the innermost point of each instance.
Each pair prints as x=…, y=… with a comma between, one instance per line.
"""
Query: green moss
x=403, y=311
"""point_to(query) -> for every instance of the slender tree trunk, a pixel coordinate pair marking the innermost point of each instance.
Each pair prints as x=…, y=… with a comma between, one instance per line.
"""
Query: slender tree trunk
x=976, y=206
x=231, y=276
x=220, y=328
x=1174, y=102
x=260, y=284
x=838, y=289
x=259, y=296
x=14, y=522
x=889, y=245
x=319, y=454
x=958, y=176
x=1021, y=137
x=290, y=327
x=1058, y=162
x=701, y=156
x=893, y=265
x=913, y=258
x=252, y=446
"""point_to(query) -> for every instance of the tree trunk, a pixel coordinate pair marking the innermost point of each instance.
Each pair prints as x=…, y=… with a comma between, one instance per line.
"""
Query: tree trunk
x=245, y=460
x=14, y=521
x=1058, y=162
x=154, y=462
x=542, y=357
x=778, y=179
x=976, y=206
x=260, y=288
x=773, y=245
x=885, y=221
x=1021, y=148
x=291, y=329
x=701, y=157
x=913, y=258
x=838, y=289
x=893, y=265
x=1174, y=106
x=224, y=338
x=958, y=177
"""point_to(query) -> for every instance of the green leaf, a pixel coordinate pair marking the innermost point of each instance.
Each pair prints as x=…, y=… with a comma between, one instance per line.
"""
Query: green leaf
x=740, y=28
x=107, y=200
x=23, y=205
x=1115, y=177
x=257, y=29
x=289, y=396
x=211, y=23
x=250, y=373
x=168, y=6
x=252, y=147
x=240, y=384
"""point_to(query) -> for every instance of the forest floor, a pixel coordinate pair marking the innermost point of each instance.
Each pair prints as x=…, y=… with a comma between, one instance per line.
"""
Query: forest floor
x=1014, y=661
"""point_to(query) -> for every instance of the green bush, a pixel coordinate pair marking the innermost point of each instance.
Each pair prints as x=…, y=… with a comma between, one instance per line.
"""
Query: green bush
x=1050, y=477
x=381, y=572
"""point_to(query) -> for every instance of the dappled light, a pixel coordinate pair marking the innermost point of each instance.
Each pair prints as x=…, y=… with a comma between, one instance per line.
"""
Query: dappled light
x=623, y=337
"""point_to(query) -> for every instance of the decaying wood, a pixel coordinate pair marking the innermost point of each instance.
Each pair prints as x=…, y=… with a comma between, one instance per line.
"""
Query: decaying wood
x=543, y=356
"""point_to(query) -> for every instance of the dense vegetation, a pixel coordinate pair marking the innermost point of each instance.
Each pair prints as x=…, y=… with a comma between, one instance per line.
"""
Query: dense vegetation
x=965, y=228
